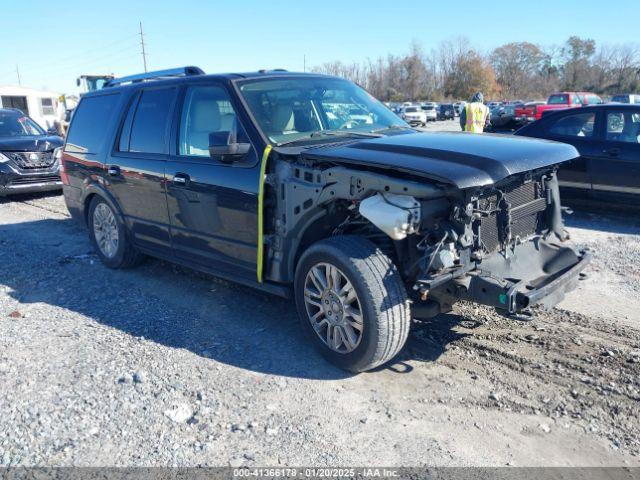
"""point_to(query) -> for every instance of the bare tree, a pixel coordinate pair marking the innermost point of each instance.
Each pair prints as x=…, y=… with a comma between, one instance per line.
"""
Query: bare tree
x=455, y=70
x=517, y=67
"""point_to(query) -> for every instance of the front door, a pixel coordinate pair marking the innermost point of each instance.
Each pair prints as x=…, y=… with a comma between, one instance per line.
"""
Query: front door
x=578, y=129
x=135, y=172
x=213, y=205
x=615, y=171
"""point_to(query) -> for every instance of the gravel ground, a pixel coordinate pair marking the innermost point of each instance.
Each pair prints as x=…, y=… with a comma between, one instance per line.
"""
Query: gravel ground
x=163, y=366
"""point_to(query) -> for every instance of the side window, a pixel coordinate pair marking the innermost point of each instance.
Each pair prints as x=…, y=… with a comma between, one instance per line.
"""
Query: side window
x=149, y=126
x=623, y=127
x=578, y=125
x=206, y=109
x=84, y=135
x=594, y=100
x=576, y=100
x=47, y=106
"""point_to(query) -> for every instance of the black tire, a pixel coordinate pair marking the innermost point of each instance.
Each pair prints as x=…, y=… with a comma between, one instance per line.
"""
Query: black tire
x=382, y=296
x=126, y=255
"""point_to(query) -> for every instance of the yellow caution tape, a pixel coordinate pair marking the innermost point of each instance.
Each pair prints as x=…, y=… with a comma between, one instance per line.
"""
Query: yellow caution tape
x=263, y=169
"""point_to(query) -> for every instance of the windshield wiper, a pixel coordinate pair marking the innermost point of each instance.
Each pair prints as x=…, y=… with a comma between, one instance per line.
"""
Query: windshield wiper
x=392, y=127
x=331, y=133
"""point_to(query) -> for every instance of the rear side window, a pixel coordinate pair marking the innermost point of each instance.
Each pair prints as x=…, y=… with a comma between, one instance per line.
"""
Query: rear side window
x=91, y=121
x=150, y=122
x=558, y=99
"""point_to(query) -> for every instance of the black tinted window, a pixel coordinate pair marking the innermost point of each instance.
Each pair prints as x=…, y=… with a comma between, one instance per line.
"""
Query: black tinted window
x=150, y=121
x=91, y=121
x=578, y=125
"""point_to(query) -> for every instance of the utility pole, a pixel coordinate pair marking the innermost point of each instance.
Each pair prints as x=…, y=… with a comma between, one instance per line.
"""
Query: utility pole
x=18, y=73
x=304, y=63
x=144, y=53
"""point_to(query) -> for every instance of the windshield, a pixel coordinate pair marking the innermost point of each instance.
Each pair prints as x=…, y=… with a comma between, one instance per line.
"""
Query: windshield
x=411, y=109
x=12, y=125
x=288, y=109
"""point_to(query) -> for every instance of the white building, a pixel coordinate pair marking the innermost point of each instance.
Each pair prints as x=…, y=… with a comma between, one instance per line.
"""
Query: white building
x=44, y=107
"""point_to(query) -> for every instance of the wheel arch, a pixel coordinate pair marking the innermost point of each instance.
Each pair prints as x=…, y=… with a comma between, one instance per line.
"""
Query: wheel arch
x=94, y=190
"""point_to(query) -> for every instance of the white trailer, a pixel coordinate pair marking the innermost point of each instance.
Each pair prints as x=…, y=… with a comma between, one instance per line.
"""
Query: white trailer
x=44, y=107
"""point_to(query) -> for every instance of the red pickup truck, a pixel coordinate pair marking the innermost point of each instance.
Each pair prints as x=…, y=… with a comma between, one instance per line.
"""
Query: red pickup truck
x=557, y=101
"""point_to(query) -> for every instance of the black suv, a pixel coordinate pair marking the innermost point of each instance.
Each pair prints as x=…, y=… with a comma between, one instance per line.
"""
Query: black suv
x=446, y=111
x=269, y=179
x=28, y=160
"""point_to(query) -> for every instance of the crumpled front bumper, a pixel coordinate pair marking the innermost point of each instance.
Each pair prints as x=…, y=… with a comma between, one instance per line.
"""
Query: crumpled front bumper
x=537, y=272
x=551, y=292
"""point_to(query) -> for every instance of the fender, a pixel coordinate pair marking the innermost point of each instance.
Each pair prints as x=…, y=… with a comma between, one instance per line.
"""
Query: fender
x=95, y=188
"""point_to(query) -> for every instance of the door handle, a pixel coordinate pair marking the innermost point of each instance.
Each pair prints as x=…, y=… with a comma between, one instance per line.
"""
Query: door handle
x=613, y=152
x=181, y=179
x=113, y=170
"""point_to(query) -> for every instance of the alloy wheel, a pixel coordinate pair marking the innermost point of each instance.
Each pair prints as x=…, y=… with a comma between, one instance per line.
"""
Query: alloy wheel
x=333, y=308
x=105, y=230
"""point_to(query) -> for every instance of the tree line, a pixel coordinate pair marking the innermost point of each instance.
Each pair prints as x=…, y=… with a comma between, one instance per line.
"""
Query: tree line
x=517, y=70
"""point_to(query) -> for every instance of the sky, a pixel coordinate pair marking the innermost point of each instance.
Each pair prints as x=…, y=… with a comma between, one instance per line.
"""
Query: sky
x=52, y=43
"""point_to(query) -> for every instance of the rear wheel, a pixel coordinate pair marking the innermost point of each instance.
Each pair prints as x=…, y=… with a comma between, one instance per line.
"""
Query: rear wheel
x=352, y=302
x=109, y=236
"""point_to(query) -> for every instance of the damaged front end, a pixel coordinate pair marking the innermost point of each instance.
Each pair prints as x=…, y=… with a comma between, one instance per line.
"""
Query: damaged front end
x=502, y=246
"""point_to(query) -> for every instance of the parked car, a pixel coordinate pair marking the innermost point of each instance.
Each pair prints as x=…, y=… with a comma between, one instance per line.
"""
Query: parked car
x=560, y=101
x=526, y=113
x=365, y=227
x=625, y=98
x=431, y=111
x=502, y=117
x=446, y=111
x=608, y=139
x=358, y=116
x=27, y=155
x=414, y=115
x=458, y=107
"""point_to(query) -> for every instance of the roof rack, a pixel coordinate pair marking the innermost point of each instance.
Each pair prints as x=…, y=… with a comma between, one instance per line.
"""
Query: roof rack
x=157, y=75
x=266, y=70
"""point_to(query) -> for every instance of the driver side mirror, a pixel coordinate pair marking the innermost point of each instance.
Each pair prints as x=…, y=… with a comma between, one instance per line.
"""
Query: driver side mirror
x=224, y=145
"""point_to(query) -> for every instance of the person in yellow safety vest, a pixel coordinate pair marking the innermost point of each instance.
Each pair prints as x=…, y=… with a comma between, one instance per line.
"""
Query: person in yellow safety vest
x=475, y=116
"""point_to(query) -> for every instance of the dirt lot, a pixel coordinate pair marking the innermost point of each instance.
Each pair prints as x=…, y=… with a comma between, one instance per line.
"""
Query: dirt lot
x=163, y=366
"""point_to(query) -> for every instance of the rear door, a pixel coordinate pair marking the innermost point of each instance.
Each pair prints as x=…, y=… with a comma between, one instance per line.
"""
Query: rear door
x=577, y=128
x=615, y=171
x=213, y=205
x=135, y=172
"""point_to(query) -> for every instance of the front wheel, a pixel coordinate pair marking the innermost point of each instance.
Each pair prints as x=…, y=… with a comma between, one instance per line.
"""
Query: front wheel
x=352, y=302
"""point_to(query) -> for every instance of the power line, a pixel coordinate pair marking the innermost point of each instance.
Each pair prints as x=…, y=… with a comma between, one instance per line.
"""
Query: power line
x=144, y=54
x=72, y=61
